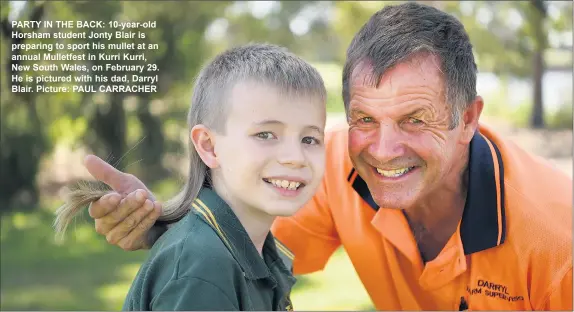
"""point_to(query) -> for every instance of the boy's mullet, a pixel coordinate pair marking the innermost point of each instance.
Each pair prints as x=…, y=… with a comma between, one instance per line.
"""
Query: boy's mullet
x=263, y=63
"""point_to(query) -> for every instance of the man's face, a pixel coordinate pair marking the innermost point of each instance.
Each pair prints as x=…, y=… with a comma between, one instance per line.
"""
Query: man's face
x=272, y=155
x=399, y=137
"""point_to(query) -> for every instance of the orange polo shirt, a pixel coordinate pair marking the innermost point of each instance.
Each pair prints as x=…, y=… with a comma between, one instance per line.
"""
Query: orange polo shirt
x=512, y=249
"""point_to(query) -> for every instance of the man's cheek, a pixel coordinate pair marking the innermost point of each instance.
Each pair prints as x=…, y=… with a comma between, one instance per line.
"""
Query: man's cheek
x=359, y=139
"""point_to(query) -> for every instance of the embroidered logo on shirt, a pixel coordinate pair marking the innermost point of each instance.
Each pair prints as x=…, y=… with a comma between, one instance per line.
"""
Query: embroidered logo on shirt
x=493, y=290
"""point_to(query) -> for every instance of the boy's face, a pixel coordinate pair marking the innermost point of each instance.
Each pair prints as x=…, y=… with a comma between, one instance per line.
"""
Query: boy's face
x=272, y=155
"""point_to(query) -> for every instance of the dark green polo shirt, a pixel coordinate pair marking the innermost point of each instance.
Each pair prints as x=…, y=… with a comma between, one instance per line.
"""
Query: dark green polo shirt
x=208, y=262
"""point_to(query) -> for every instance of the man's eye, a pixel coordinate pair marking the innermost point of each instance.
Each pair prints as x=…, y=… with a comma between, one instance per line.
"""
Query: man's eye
x=265, y=136
x=366, y=119
x=310, y=141
x=414, y=121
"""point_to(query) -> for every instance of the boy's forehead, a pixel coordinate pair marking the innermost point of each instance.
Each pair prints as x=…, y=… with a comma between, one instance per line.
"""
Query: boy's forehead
x=261, y=101
x=267, y=94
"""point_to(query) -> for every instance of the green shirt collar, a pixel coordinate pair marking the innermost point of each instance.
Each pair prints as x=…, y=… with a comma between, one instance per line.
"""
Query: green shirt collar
x=215, y=211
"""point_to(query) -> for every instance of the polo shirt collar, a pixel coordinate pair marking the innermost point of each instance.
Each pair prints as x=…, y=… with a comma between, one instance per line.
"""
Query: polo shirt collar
x=217, y=213
x=483, y=223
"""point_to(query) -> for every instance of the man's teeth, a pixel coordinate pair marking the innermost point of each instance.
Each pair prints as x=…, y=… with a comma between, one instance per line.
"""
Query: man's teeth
x=290, y=185
x=394, y=173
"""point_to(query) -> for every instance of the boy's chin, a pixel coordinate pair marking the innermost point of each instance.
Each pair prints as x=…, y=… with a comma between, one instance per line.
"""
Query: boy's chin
x=281, y=210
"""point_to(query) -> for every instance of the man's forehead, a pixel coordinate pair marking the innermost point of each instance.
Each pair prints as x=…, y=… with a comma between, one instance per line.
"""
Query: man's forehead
x=420, y=70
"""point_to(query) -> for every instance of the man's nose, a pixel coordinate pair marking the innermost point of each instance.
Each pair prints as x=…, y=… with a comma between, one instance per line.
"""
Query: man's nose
x=388, y=143
x=291, y=154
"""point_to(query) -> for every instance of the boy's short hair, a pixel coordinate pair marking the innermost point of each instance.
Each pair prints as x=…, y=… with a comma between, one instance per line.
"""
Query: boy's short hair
x=265, y=63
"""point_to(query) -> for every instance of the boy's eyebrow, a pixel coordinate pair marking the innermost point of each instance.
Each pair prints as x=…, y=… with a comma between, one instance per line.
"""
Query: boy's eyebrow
x=315, y=128
x=277, y=122
x=268, y=122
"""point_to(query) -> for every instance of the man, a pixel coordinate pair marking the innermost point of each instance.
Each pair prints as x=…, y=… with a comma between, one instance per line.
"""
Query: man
x=436, y=211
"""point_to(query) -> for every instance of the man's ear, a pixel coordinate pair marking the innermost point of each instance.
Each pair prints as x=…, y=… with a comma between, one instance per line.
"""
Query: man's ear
x=204, y=141
x=470, y=119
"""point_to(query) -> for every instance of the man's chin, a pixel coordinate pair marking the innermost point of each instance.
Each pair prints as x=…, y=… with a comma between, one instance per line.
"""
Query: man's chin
x=392, y=200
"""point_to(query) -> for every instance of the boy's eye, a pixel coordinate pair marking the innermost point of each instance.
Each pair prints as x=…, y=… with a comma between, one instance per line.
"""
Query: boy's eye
x=265, y=136
x=310, y=141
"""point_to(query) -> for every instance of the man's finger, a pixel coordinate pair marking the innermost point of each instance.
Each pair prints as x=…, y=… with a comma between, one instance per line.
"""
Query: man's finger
x=105, y=172
x=115, y=218
x=130, y=222
x=136, y=239
x=132, y=202
x=104, y=205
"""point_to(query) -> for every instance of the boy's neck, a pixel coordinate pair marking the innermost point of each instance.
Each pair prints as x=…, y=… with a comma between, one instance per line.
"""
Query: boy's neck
x=257, y=223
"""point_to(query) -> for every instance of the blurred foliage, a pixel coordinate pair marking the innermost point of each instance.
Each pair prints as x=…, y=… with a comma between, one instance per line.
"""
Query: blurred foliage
x=139, y=131
x=145, y=133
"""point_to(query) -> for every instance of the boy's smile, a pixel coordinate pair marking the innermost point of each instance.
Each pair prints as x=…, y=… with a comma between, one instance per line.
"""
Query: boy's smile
x=286, y=186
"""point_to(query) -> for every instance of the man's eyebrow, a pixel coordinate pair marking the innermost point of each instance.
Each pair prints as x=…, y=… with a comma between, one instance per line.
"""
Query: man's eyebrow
x=357, y=111
x=416, y=111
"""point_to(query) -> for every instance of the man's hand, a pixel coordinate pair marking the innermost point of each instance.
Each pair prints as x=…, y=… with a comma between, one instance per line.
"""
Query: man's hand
x=126, y=215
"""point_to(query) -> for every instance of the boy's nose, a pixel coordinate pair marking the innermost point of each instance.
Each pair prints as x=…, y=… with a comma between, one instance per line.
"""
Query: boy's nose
x=291, y=155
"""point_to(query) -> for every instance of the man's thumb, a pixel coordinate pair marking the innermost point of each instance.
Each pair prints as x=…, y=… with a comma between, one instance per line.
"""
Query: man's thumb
x=105, y=172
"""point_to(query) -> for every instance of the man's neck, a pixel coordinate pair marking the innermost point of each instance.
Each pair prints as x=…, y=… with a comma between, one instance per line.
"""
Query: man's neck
x=256, y=223
x=435, y=219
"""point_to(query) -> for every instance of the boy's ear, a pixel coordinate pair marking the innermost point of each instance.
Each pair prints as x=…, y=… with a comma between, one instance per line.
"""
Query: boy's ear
x=204, y=142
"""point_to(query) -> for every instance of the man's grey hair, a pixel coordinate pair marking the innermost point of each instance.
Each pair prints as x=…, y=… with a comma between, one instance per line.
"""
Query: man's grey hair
x=263, y=63
x=396, y=33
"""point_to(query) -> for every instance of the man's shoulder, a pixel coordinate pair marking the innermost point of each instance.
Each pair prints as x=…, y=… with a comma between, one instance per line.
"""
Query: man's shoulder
x=530, y=179
x=538, y=205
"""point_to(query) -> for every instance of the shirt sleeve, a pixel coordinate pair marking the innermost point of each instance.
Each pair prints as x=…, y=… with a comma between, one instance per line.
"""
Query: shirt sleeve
x=560, y=297
x=311, y=233
x=192, y=294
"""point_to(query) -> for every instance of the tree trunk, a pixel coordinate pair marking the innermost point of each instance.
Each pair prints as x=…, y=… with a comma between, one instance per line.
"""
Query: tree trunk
x=538, y=17
x=537, y=120
x=152, y=147
x=109, y=124
x=22, y=148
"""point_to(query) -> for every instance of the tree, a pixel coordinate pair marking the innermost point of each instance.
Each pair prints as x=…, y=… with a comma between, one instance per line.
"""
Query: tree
x=510, y=38
x=22, y=136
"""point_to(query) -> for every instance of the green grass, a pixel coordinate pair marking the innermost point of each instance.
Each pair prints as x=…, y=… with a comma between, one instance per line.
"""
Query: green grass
x=335, y=288
x=86, y=273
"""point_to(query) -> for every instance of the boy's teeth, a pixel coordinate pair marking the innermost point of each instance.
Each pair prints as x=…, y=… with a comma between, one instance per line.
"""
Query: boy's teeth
x=290, y=185
x=393, y=173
